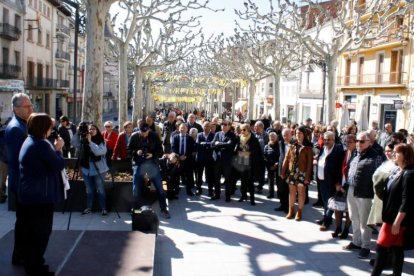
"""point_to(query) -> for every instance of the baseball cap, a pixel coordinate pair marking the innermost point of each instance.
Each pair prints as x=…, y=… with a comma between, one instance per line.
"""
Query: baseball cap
x=143, y=127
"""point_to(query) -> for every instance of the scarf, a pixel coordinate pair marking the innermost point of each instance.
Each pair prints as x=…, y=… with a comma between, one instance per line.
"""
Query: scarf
x=244, y=139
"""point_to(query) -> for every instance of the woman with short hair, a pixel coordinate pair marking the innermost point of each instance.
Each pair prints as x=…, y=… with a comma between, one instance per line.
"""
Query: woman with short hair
x=40, y=187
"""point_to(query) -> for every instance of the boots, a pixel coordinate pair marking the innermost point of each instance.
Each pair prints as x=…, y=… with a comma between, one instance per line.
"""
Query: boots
x=291, y=213
x=299, y=215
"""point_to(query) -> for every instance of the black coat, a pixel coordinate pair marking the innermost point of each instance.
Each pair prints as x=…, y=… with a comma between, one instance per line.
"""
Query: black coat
x=204, y=148
x=256, y=160
x=151, y=145
x=399, y=197
x=225, y=146
x=333, y=167
x=175, y=147
x=368, y=162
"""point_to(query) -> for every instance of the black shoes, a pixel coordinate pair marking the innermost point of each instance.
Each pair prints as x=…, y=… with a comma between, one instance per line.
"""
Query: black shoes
x=344, y=234
x=281, y=209
x=320, y=221
x=363, y=253
x=190, y=193
x=199, y=192
x=336, y=233
x=3, y=199
x=271, y=196
x=318, y=204
x=243, y=198
x=216, y=197
x=352, y=246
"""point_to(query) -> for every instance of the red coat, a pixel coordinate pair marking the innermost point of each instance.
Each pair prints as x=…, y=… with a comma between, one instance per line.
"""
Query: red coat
x=121, y=147
x=110, y=140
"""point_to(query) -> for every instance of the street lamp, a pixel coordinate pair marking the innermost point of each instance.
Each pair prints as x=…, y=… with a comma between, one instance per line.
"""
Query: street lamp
x=75, y=55
x=322, y=65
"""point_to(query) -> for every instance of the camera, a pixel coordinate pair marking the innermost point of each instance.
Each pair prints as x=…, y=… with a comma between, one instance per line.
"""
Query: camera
x=83, y=129
x=54, y=134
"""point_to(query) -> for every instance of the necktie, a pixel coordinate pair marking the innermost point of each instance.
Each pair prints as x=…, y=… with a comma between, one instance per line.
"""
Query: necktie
x=182, y=146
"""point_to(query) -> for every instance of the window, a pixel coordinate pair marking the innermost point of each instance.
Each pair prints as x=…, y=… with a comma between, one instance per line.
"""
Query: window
x=30, y=3
x=47, y=40
x=47, y=70
x=35, y=4
x=5, y=55
x=380, y=67
x=17, y=21
x=48, y=12
x=39, y=36
x=396, y=66
x=30, y=33
x=5, y=15
x=17, y=58
x=361, y=70
x=352, y=102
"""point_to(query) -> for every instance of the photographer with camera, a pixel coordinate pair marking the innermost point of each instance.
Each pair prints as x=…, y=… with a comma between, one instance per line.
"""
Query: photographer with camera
x=93, y=165
x=145, y=148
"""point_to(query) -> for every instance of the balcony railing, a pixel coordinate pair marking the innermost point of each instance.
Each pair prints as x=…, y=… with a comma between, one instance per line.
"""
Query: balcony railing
x=9, y=32
x=35, y=82
x=9, y=71
x=62, y=55
x=391, y=78
x=62, y=29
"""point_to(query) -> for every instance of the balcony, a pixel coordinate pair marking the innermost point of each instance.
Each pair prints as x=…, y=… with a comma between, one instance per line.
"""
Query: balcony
x=9, y=71
x=372, y=80
x=46, y=83
x=62, y=56
x=62, y=30
x=9, y=32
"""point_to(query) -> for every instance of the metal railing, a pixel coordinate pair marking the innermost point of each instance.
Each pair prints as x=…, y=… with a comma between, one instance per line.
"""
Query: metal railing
x=9, y=71
x=36, y=82
x=9, y=32
x=391, y=78
x=63, y=29
x=62, y=55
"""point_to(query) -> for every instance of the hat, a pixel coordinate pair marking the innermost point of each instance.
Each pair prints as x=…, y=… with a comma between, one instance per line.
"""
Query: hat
x=143, y=127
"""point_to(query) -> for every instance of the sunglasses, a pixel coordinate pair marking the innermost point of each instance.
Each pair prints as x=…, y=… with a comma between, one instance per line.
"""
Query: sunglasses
x=361, y=141
x=225, y=124
x=107, y=126
x=243, y=129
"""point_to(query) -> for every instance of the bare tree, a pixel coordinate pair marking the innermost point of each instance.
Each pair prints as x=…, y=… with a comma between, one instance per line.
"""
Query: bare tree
x=350, y=24
x=144, y=49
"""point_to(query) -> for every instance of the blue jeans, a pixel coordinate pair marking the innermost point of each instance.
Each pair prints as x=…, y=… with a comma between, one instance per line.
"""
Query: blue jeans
x=152, y=170
x=92, y=183
x=325, y=195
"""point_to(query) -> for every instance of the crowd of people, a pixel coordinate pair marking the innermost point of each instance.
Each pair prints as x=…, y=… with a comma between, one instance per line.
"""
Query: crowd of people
x=371, y=170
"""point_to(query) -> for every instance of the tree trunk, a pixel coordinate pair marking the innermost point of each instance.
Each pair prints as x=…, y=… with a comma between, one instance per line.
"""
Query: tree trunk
x=123, y=84
x=220, y=102
x=138, y=96
x=276, y=97
x=331, y=95
x=93, y=93
x=252, y=86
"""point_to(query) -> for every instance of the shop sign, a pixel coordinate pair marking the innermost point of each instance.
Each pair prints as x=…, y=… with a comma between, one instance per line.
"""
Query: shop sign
x=398, y=104
x=11, y=85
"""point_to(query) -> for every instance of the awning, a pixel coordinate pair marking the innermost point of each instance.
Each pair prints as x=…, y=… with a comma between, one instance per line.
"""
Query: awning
x=240, y=104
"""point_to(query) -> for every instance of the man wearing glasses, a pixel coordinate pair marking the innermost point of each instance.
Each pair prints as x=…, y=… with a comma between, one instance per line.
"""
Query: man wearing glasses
x=16, y=133
x=224, y=143
x=361, y=193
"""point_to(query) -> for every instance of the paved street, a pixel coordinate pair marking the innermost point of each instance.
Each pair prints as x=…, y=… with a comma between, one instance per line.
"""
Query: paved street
x=219, y=238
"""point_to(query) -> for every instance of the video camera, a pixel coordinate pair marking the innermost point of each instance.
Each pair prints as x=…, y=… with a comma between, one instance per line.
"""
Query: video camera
x=83, y=129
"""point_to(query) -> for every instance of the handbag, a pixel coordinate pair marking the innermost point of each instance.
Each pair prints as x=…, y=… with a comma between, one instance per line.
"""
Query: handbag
x=338, y=202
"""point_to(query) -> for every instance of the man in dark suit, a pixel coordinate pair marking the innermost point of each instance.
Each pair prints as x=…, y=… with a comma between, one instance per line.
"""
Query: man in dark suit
x=15, y=134
x=224, y=143
x=204, y=158
x=282, y=186
x=183, y=145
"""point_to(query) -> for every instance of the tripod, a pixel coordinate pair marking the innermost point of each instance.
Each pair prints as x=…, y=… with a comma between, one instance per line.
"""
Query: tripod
x=75, y=176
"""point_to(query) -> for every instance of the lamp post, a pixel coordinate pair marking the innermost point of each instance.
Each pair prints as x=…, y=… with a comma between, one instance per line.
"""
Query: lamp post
x=75, y=55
